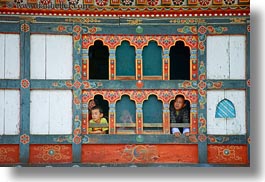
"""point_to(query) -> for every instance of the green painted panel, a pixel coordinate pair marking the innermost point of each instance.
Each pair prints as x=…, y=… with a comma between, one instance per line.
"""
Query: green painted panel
x=152, y=60
x=125, y=59
x=153, y=113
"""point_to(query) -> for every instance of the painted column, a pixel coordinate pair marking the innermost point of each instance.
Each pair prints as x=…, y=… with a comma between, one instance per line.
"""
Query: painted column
x=248, y=87
x=166, y=60
x=77, y=94
x=112, y=116
x=166, y=119
x=24, y=91
x=112, y=65
x=139, y=67
x=84, y=117
x=139, y=118
x=194, y=118
x=193, y=62
x=202, y=111
x=85, y=65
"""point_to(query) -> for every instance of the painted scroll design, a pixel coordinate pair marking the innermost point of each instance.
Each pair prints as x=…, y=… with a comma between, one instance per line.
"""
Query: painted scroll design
x=51, y=153
x=140, y=153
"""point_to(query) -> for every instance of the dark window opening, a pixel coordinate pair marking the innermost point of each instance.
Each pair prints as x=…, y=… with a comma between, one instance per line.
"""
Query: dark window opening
x=99, y=61
x=179, y=119
x=179, y=61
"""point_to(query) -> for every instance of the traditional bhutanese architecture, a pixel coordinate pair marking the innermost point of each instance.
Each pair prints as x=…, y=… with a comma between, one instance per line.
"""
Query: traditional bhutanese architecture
x=132, y=58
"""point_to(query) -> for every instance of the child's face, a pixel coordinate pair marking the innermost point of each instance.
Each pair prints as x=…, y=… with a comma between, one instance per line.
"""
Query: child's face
x=91, y=104
x=179, y=103
x=96, y=115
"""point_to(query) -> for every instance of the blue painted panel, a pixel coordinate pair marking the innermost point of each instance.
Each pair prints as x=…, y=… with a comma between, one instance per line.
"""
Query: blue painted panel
x=125, y=60
x=152, y=60
x=9, y=27
x=51, y=139
x=138, y=139
x=225, y=109
x=9, y=84
x=9, y=139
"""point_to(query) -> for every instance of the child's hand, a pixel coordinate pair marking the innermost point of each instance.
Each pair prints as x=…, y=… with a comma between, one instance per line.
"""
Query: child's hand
x=187, y=134
x=177, y=134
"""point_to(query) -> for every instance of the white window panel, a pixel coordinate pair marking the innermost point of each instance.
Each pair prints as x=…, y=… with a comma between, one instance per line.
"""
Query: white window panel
x=9, y=56
x=51, y=56
x=226, y=126
x=51, y=112
x=9, y=112
x=226, y=57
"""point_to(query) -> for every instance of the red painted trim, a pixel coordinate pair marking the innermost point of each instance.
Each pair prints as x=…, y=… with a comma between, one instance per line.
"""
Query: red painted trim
x=143, y=12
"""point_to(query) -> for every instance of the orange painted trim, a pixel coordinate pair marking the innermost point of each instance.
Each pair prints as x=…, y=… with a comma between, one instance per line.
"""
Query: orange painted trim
x=139, y=154
x=9, y=154
x=228, y=154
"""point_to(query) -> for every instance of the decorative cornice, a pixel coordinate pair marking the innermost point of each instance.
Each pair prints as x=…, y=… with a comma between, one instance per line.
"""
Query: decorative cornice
x=199, y=9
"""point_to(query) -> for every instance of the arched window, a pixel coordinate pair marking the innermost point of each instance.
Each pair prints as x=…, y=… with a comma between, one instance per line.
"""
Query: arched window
x=225, y=109
x=125, y=115
x=125, y=61
x=153, y=115
x=152, y=61
x=179, y=62
x=99, y=61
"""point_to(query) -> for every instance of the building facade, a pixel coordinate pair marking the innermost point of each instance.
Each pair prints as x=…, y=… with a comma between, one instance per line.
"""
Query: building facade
x=132, y=57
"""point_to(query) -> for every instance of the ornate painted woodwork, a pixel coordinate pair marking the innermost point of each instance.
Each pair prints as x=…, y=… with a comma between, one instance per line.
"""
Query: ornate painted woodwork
x=139, y=154
x=50, y=154
x=223, y=154
x=71, y=31
x=9, y=154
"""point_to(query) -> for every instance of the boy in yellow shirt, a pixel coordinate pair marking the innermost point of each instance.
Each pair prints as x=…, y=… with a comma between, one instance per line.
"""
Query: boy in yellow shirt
x=97, y=118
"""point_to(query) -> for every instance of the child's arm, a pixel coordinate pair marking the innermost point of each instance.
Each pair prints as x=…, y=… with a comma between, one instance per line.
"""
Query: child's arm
x=97, y=132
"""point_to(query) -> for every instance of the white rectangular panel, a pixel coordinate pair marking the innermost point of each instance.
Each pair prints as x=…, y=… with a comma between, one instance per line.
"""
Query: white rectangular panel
x=237, y=125
x=215, y=125
x=237, y=57
x=59, y=56
x=12, y=56
x=12, y=112
x=218, y=57
x=2, y=56
x=2, y=111
x=39, y=111
x=37, y=56
x=60, y=112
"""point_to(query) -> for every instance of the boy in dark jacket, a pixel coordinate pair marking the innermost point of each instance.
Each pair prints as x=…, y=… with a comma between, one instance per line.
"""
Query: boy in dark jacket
x=179, y=114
